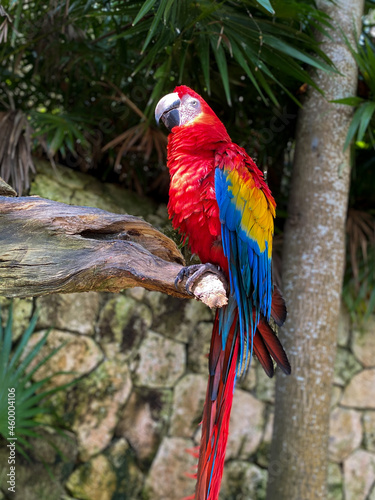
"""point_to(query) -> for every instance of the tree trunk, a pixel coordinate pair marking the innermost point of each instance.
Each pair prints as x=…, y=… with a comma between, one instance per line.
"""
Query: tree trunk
x=50, y=247
x=313, y=263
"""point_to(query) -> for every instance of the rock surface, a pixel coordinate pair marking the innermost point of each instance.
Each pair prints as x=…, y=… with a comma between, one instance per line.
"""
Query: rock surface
x=144, y=419
x=78, y=356
x=359, y=475
x=345, y=433
x=364, y=343
x=346, y=366
x=167, y=479
x=129, y=475
x=74, y=312
x=22, y=311
x=33, y=482
x=334, y=481
x=242, y=480
x=199, y=347
x=95, y=480
x=360, y=393
x=96, y=406
x=123, y=323
x=369, y=430
x=76, y=188
x=188, y=401
x=246, y=425
x=161, y=361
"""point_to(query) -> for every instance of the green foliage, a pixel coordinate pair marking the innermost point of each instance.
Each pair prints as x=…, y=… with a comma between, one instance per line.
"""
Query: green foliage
x=359, y=283
x=268, y=49
x=16, y=373
x=80, y=70
x=60, y=130
x=266, y=5
x=363, y=121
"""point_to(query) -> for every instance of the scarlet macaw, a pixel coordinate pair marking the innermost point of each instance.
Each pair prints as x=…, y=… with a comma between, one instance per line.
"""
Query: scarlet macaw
x=219, y=201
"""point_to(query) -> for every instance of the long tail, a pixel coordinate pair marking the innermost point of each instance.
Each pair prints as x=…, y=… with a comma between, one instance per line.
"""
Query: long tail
x=223, y=366
x=216, y=413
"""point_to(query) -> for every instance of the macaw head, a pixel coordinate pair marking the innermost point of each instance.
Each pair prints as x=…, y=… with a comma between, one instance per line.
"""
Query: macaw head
x=186, y=108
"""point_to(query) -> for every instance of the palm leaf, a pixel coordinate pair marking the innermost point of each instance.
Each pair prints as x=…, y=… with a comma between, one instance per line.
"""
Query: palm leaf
x=30, y=395
x=146, y=7
x=266, y=5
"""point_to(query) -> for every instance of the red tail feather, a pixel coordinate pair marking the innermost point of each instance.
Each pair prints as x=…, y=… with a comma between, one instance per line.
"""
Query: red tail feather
x=266, y=343
x=216, y=414
x=272, y=345
x=263, y=355
x=278, y=307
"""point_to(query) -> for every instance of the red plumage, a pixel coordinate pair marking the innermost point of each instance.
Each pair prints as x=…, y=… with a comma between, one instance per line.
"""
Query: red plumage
x=225, y=222
x=216, y=414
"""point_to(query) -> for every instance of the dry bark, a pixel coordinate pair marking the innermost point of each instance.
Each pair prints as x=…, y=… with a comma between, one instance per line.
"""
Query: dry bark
x=50, y=247
x=5, y=189
x=313, y=262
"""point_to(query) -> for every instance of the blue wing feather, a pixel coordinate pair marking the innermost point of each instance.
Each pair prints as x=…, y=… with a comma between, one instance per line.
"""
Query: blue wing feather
x=249, y=269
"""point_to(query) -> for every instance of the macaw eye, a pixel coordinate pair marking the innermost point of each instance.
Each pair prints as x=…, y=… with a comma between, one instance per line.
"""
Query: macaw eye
x=194, y=103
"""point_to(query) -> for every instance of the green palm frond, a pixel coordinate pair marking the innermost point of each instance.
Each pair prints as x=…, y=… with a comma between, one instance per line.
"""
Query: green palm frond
x=61, y=131
x=61, y=54
x=16, y=372
x=230, y=33
x=363, y=120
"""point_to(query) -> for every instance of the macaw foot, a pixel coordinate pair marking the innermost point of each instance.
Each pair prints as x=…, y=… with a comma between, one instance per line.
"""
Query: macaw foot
x=192, y=273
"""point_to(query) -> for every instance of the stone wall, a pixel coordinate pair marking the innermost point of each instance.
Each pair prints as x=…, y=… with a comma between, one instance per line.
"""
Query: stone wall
x=139, y=359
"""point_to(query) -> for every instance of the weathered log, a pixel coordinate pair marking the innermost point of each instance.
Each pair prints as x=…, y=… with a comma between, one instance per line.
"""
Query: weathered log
x=50, y=247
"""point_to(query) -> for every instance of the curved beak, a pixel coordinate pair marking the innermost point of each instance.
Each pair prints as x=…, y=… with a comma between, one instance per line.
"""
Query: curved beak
x=167, y=109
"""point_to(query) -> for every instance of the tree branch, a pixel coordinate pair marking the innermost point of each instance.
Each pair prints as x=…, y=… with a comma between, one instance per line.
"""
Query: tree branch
x=50, y=247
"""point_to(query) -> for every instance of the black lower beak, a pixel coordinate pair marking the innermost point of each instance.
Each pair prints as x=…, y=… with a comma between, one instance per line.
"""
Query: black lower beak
x=168, y=111
x=171, y=118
